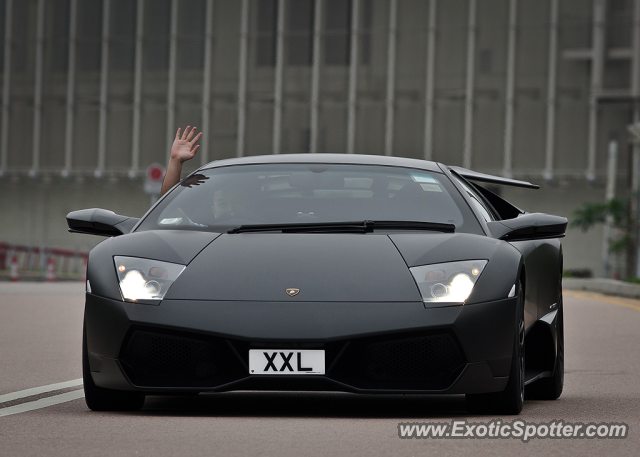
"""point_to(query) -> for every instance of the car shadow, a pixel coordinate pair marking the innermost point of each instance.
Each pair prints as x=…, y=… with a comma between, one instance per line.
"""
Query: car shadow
x=306, y=404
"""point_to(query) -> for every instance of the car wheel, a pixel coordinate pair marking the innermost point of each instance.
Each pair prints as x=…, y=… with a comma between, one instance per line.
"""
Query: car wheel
x=551, y=388
x=101, y=399
x=511, y=399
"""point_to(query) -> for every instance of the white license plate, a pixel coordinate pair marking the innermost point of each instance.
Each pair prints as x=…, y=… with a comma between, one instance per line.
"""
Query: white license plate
x=286, y=361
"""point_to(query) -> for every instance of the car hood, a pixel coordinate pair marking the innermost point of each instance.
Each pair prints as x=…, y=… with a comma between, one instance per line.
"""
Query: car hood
x=323, y=267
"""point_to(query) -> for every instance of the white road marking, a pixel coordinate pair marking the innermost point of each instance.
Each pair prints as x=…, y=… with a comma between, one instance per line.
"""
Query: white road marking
x=39, y=390
x=42, y=403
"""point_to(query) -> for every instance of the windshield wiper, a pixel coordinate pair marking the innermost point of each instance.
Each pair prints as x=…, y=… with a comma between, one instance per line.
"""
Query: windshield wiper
x=414, y=225
x=346, y=227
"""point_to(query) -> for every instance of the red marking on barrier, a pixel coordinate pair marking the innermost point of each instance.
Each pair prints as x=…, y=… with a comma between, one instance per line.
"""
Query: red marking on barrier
x=51, y=270
x=15, y=277
x=64, y=260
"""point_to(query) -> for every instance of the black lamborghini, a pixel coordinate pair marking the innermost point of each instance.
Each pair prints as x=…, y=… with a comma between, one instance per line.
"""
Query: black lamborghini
x=322, y=272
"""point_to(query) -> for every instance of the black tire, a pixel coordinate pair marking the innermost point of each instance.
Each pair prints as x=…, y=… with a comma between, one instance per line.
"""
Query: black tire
x=511, y=399
x=101, y=399
x=551, y=388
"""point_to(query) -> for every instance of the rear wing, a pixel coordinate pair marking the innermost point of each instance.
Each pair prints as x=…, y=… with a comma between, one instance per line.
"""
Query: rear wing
x=481, y=177
x=505, y=209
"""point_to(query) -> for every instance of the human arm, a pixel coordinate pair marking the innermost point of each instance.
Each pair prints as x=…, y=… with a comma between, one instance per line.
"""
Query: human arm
x=184, y=148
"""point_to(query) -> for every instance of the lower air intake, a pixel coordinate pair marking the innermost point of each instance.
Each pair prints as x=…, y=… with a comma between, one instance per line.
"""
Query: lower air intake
x=158, y=359
x=425, y=362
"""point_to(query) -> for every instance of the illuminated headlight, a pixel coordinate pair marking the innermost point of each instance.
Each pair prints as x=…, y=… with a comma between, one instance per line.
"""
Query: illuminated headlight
x=450, y=282
x=143, y=279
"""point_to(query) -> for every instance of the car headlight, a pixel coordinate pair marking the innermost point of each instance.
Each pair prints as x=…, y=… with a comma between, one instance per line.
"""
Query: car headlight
x=450, y=282
x=144, y=279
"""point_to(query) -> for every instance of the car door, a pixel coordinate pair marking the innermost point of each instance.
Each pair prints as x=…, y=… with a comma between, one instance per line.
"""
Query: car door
x=549, y=260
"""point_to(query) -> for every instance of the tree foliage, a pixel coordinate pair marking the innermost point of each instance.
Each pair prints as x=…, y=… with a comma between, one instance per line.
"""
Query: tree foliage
x=590, y=214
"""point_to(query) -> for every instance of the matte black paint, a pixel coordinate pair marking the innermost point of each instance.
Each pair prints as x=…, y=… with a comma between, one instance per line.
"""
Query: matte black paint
x=352, y=285
x=325, y=267
x=173, y=246
x=536, y=275
x=483, y=330
x=98, y=221
x=322, y=158
x=475, y=378
x=528, y=227
x=475, y=176
x=495, y=282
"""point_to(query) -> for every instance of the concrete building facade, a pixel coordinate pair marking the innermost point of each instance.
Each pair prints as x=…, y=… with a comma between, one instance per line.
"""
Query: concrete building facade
x=94, y=90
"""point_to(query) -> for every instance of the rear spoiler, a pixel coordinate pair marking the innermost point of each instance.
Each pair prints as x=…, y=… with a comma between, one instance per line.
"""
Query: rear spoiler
x=481, y=177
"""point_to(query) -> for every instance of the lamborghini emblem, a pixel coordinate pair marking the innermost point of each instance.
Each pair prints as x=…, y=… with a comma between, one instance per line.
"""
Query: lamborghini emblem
x=292, y=292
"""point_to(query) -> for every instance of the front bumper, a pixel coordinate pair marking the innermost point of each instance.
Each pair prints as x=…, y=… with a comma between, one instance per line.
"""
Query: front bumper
x=195, y=346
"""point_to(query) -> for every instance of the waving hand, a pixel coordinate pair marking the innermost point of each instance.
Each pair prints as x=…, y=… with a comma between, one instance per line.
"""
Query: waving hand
x=184, y=146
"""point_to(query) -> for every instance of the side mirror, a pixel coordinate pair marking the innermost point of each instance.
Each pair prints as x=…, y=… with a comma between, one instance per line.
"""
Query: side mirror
x=96, y=221
x=529, y=226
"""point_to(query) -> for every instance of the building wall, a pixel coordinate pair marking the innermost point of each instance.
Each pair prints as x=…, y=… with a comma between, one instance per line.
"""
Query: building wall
x=73, y=134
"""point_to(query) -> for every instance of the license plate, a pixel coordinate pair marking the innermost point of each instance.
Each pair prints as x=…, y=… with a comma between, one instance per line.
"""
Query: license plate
x=286, y=361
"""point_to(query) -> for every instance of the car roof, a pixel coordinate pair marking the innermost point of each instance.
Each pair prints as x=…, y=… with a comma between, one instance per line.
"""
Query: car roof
x=355, y=159
x=364, y=159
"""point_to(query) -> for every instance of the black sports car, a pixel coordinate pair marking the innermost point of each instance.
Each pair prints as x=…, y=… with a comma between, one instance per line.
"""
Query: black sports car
x=325, y=272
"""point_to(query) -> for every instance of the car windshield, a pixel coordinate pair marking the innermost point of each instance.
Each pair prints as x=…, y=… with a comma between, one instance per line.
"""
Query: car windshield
x=224, y=198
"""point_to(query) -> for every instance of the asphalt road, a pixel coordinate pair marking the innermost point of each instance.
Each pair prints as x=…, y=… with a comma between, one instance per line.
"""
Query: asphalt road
x=40, y=340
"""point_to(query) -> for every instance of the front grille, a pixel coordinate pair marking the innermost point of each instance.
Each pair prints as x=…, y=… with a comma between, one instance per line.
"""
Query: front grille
x=162, y=358
x=422, y=362
x=155, y=358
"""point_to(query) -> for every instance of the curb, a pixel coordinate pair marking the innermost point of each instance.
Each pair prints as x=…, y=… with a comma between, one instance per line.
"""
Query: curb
x=603, y=286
